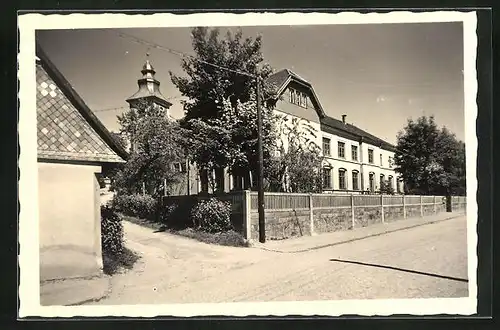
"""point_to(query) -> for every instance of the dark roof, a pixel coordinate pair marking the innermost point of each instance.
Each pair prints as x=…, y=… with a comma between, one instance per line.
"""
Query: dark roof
x=335, y=126
x=155, y=96
x=149, y=87
x=328, y=124
x=67, y=129
x=281, y=79
x=278, y=79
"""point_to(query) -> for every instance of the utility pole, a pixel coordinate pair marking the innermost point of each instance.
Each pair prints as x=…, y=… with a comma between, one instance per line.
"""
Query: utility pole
x=260, y=197
x=188, y=188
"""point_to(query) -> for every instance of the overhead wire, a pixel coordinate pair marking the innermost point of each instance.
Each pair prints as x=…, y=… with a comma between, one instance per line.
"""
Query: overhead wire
x=178, y=53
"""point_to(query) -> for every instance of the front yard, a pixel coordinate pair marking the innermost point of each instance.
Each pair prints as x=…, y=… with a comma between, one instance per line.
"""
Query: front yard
x=228, y=238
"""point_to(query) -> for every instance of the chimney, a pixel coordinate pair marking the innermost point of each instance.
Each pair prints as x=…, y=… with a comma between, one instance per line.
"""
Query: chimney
x=343, y=118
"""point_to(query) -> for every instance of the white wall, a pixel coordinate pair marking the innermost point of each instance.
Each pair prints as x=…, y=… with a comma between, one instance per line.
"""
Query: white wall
x=69, y=221
x=361, y=165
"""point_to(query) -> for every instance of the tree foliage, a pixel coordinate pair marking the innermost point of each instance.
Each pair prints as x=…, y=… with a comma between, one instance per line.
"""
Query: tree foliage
x=157, y=143
x=386, y=188
x=207, y=86
x=221, y=108
x=296, y=165
x=119, y=139
x=230, y=140
x=431, y=160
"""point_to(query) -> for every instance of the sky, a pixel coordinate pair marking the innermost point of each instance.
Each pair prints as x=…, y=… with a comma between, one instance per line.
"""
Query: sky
x=379, y=75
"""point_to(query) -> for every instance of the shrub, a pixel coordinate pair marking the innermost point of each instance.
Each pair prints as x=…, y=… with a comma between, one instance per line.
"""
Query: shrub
x=386, y=188
x=111, y=231
x=212, y=215
x=227, y=238
x=100, y=179
x=141, y=206
x=165, y=212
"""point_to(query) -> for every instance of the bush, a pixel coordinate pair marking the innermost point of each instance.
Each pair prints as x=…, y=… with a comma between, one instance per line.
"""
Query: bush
x=141, y=206
x=165, y=213
x=111, y=231
x=228, y=238
x=100, y=179
x=212, y=215
x=386, y=188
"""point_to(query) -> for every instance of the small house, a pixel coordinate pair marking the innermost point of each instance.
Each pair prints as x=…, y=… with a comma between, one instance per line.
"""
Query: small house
x=73, y=147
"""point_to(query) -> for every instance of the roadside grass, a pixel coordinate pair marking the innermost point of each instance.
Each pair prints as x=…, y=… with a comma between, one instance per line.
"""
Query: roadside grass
x=228, y=238
x=113, y=263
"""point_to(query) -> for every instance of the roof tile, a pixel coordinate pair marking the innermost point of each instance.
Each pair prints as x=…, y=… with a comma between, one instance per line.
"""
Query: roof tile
x=63, y=133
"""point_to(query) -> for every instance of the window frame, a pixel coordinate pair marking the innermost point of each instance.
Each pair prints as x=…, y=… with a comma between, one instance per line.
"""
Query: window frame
x=342, y=179
x=370, y=156
x=339, y=144
x=329, y=153
x=355, y=183
x=304, y=100
x=177, y=167
x=371, y=181
x=354, y=150
x=327, y=185
x=382, y=179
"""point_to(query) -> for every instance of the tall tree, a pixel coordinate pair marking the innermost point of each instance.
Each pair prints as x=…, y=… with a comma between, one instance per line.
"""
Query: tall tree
x=231, y=139
x=207, y=86
x=431, y=161
x=296, y=166
x=451, y=157
x=214, y=93
x=157, y=145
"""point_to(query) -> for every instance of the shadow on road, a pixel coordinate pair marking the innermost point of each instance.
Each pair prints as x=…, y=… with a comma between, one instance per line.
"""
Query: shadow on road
x=402, y=270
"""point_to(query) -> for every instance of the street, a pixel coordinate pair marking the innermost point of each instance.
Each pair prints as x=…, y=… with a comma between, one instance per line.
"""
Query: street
x=428, y=261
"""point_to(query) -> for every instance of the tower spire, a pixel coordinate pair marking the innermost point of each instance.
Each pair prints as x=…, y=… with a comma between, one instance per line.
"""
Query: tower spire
x=149, y=86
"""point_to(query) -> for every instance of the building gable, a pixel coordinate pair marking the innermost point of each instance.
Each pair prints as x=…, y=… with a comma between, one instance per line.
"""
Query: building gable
x=286, y=79
x=282, y=82
x=66, y=127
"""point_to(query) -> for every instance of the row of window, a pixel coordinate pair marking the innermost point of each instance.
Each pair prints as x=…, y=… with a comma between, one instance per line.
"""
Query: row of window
x=298, y=98
x=342, y=179
x=354, y=152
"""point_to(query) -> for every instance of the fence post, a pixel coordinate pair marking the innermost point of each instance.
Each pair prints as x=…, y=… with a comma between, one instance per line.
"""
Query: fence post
x=352, y=212
x=247, y=215
x=311, y=214
x=421, y=207
x=382, y=215
x=435, y=206
x=404, y=206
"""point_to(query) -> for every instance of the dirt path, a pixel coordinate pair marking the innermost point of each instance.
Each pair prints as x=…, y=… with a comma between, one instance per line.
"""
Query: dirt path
x=423, y=262
x=169, y=261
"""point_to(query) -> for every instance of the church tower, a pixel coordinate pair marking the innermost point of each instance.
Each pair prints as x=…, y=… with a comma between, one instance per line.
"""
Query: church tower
x=149, y=90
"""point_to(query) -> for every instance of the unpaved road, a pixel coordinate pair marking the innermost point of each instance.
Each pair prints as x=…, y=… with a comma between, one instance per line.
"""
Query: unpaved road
x=429, y=261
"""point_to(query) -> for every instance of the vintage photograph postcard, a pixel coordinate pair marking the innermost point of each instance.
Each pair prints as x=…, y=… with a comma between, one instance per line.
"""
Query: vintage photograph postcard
x=250, y=164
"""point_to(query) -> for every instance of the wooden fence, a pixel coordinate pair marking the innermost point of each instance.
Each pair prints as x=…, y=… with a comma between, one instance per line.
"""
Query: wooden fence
x=307, y=210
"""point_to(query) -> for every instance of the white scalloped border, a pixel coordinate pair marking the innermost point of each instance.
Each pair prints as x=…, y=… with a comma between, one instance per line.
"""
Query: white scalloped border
x=28, y=183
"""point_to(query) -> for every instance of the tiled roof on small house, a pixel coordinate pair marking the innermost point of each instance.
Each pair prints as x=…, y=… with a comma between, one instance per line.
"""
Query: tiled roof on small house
x=66, y=128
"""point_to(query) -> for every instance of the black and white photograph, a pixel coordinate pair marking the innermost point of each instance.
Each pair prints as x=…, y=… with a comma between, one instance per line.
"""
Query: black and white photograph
x=247, y=164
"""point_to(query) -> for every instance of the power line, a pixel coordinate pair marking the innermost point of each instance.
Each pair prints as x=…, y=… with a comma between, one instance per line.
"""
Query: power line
x=176, y=52
x=124, y=108
x=110, y=109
